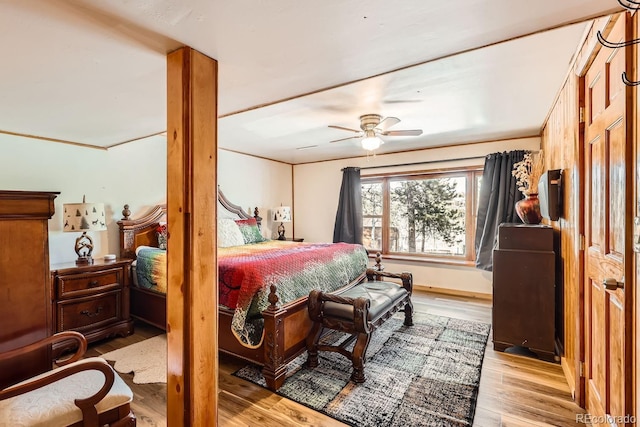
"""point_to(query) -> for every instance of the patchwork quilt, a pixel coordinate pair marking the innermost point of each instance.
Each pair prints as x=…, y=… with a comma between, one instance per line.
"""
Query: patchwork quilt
x=151, y=268
x=246, y=273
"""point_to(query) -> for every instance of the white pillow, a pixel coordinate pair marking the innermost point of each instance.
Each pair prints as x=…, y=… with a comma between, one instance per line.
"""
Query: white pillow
x=229, y=233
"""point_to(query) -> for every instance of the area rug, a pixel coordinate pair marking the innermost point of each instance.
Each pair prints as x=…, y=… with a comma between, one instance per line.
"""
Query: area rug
x=422, y=375
x=146, y=359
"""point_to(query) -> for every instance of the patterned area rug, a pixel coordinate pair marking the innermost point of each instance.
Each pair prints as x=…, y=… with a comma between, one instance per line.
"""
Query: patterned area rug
x=422, y=375
x=146, y=359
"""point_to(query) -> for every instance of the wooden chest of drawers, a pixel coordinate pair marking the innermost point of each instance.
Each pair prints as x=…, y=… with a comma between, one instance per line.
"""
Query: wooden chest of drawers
x=524, y=289
x=91, y=299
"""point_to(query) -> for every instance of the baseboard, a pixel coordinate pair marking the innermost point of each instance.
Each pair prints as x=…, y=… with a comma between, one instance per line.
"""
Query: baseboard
x=453, y=292
x=568, y=376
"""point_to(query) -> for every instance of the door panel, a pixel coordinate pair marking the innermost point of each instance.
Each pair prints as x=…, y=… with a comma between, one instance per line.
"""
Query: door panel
x=616, y=367
x=617, y=189
x=598, y=365
x=597, y=97
x=615, y=66
x=607, y=189
x=596, y=235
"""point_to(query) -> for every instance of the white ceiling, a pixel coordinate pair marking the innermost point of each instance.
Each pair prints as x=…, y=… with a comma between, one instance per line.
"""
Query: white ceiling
x=94, y=72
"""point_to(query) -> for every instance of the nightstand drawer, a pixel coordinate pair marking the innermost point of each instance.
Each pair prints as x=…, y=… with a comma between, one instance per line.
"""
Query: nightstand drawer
x=89, y=282
x=88, y=312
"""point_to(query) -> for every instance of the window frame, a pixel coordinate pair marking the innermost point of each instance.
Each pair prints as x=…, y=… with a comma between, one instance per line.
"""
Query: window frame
x=471, y=174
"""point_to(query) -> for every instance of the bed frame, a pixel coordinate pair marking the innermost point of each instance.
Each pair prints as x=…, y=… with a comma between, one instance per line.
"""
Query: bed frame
x=286, y=326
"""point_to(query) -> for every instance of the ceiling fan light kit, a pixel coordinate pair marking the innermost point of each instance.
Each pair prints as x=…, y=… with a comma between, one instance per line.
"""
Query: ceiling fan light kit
x=372, y=126
x=371, y=141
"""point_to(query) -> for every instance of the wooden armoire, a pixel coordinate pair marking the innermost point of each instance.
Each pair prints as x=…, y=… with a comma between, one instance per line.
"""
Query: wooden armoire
x=25, y=300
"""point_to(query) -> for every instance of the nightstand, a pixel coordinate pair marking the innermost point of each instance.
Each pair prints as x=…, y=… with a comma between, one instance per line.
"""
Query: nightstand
x=297, y=239
x=91, y=299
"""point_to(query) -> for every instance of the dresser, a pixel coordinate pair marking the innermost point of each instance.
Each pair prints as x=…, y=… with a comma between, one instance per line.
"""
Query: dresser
x=25, y=300
x=524, y=307
x=91, y=299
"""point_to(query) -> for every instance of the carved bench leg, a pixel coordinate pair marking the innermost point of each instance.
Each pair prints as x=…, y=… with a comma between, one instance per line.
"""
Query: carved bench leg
x=359, y=352
x=408, y=313
x=312, y=344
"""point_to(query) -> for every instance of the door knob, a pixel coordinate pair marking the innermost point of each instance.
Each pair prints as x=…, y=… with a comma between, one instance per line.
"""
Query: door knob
x=612, y=284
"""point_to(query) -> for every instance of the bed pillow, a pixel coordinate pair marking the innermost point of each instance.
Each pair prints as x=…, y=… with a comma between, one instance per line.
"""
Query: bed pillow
x=162, y=234
x=229, y=233
x=250, y=231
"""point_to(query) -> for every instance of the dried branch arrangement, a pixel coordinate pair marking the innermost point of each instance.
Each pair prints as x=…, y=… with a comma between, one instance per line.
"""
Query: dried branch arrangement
x=528, y=172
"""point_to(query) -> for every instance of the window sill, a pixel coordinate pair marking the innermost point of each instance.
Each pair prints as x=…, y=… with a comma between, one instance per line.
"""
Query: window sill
x=424, y=260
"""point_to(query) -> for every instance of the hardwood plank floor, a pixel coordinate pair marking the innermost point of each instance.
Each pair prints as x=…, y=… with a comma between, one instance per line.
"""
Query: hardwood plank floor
x=515, y=391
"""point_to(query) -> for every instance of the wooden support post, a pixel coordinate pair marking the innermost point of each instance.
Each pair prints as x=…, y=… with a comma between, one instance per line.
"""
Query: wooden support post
x=192, y=296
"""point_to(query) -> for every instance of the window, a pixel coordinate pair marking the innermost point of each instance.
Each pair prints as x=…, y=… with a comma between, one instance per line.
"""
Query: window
x=372, y=215
x=426, y=215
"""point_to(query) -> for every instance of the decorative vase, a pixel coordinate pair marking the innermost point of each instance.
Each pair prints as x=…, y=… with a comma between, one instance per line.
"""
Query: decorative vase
x=528, y=209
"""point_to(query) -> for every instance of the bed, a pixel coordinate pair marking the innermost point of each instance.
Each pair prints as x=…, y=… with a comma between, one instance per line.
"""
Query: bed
x=284, y=321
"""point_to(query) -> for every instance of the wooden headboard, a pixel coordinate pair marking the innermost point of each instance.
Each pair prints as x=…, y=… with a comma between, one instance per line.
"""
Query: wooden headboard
x=142, y=231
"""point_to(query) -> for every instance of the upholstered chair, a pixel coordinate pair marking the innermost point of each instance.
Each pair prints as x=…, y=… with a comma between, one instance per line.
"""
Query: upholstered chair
x=79, y=392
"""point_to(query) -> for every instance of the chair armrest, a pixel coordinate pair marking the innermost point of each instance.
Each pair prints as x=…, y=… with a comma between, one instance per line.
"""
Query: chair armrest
x=59, y=337
x=406, y=277
x=316, y=298
x=360, y=307
x=88, y=405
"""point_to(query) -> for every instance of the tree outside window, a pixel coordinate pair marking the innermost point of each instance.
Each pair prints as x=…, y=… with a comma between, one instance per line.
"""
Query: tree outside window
x=372, y=215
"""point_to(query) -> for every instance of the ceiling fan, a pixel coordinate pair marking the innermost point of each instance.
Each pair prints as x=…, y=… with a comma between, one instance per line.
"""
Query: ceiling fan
x=372, y=127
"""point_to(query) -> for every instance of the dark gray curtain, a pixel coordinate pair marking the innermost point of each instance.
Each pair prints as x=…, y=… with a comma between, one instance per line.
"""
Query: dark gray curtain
x=348, y=226
x=496, y=204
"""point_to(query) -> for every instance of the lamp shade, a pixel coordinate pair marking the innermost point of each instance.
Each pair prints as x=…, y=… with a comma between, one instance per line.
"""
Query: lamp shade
x=84, y=217
x=282, y=214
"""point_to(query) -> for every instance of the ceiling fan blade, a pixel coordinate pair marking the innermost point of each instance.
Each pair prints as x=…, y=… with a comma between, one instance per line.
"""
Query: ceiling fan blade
x=412, y=132
x=344, y=128
x=344, y=139
x=387, y=122
x=402, y=101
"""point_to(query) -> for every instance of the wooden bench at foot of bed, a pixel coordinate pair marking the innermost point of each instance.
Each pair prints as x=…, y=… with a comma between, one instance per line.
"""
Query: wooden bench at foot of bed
x=286, y=328
x=358, y=311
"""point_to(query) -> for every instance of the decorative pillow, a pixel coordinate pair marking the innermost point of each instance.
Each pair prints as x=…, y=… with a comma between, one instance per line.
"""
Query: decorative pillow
x=250, y=231
x=229, y=233
x=162, y=233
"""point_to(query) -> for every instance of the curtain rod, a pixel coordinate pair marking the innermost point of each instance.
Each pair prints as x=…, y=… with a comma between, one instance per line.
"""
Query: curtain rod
x=423, y=163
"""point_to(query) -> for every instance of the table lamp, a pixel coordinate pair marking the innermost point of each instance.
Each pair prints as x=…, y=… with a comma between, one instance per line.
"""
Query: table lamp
x=282, y=214
x=84, y=217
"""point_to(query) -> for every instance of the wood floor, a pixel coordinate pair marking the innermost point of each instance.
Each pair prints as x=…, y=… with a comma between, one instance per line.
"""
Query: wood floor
x=514, y=390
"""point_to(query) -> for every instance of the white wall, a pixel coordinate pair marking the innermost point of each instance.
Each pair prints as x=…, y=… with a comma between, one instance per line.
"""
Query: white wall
x=136, y=174
x=254, y=182
x=317, y=186
x=133, y=173
x=30, y=164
